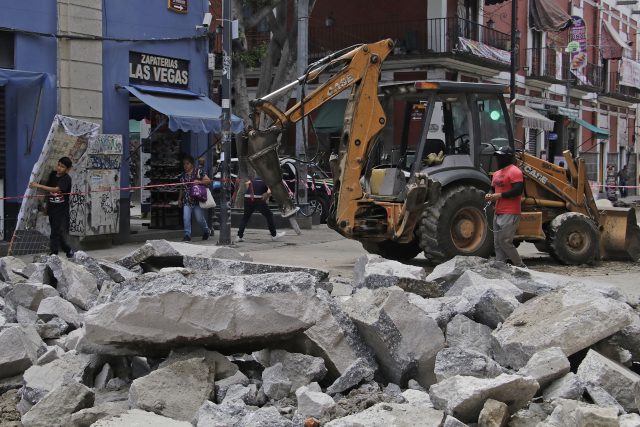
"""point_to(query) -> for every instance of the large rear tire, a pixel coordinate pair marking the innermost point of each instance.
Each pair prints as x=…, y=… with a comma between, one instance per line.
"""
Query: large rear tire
x=574, y=239
x=456, y=225
x=393, y=250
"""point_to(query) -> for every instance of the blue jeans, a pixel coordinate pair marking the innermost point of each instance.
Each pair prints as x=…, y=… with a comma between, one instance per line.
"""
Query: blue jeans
x=199, y=212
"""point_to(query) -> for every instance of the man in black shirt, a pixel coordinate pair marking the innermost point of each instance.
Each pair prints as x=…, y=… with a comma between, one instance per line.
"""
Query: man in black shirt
x=255, y=199
x=58, y=186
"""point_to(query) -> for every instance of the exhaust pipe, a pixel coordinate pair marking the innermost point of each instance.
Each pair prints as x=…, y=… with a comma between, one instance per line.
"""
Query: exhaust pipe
x=263, y=156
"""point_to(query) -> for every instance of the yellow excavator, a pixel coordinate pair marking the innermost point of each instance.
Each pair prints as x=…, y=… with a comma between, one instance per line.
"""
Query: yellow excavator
x=429, y=196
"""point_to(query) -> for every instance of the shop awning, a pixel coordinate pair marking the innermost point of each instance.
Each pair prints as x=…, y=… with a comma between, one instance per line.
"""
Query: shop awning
x=330, y=119
x=612, y=44
x=186, y=111
x=24, y=78
x=600, y=133
x=532, y=119
x=548, y=15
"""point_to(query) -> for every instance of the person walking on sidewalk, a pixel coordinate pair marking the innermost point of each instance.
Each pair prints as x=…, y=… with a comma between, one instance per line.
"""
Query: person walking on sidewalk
x=255, y=199
x=58, y=186
x=190, y=177
x=623, y=176
x=507, y=186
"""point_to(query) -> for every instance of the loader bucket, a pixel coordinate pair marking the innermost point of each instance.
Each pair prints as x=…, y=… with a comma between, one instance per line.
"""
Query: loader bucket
x=620, y=234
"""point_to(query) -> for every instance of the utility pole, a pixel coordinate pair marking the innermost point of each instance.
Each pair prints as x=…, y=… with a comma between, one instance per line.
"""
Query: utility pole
x=224, y=238
x=302, y=62
x=514, y=59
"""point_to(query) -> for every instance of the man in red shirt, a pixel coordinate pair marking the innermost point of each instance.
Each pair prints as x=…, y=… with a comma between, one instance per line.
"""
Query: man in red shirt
x=507, y=186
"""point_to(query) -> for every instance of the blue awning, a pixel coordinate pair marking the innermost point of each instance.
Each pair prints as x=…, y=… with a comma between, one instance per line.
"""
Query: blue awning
x=24, y=78
x=600, y=133
x=187, y=113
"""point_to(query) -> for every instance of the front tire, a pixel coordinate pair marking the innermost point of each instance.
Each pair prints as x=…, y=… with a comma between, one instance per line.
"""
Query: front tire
x=574, y=239
x=456, y=225
x=393, y=250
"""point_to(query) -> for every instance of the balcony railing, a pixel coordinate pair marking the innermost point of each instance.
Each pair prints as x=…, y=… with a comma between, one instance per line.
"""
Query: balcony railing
x=614, y=87
x=542, y=63
x=424, y=37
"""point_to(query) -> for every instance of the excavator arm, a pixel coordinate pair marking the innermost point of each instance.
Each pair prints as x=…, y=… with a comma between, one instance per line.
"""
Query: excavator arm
x=364, y=119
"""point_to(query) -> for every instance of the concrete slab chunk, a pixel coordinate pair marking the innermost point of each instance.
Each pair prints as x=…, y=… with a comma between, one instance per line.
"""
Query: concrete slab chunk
x=154, y=313
x=176, y=391
x=56, y=407
x=452, y=361
x=546, y=366
x=404, y=339
x=617, y=380
x=75, y=283
x=572, y=318
x=138, y=418
x=464, y=397
x=19, y=349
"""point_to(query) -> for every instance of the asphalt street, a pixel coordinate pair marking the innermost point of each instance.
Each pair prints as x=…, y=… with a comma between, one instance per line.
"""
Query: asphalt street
x=324, y=248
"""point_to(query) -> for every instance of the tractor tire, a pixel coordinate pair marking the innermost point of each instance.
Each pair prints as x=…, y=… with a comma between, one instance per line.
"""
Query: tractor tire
x=574, y=239
x=320, y=205
x=456, y=225
x=541, y=246
x=393, y=250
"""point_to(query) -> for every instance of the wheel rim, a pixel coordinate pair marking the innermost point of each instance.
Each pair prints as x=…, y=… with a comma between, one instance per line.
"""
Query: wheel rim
x=468, y=229
x=578, y=242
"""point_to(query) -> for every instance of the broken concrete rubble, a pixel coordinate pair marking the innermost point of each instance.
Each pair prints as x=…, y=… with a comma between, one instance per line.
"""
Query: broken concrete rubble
x=567, y=387
x=233, y=267
x=335, y=338
x=454, y=361
x=58, y=307
x=20, y=347
x=312, y=402
x=358, y=372
x=442, y=310
x=176, y=391
x=464, y=333
x=91, y=265
x=136, y=417
x=300, y=369
x=393, y=414
x=275, y=383
x=217, y=362
x=464, y=397
x=87, y=417
x=56, y=407
x=10, y=268
x=29, y=295
x=571, y=318
x=155, y=313
x=546, y=366
x=74, y=282
x=373, y=272
x=404, y=339
x=617, y=380
x=493, y=414
x=155, y=250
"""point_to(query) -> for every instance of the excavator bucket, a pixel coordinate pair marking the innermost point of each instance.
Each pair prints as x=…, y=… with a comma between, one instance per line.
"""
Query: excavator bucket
x=264, y=159
x=620, y=234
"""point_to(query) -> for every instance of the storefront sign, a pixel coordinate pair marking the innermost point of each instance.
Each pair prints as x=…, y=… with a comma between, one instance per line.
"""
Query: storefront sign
x=179, y=6
x=158, y=70
x=578, y=34
x=553, y=136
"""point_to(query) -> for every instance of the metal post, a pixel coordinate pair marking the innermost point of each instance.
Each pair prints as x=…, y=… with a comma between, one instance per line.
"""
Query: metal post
x=224, y=237
x=302, y=61
x=514, y=47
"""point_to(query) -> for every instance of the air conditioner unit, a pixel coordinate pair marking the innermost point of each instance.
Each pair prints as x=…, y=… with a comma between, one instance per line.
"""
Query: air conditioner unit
x=626, y=2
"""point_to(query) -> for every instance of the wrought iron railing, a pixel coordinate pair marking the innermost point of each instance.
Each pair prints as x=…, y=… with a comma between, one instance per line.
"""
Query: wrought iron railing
x=420, y=37
x=614, y=87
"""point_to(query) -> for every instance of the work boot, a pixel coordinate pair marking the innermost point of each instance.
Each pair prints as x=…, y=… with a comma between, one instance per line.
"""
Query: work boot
x=205, y=236
x=186, y=239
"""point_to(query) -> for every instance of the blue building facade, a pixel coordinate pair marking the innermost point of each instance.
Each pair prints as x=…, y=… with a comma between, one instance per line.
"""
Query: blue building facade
x=138, y=20
x=29, y=84
x=28, y=89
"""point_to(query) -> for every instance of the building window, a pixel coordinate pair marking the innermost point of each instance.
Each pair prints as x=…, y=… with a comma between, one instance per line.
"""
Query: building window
x=7, y=40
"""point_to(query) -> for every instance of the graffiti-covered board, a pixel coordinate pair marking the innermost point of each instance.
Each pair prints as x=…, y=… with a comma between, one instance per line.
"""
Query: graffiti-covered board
x=98, y=174
x=67, y=137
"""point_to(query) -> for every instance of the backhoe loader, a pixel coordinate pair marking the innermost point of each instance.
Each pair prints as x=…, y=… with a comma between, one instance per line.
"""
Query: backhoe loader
x=430, y=196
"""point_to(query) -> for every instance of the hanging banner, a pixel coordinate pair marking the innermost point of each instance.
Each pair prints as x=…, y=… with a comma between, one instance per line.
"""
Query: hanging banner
x=630, y=73
x=578, y=34
x=485, y=51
